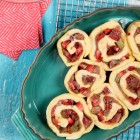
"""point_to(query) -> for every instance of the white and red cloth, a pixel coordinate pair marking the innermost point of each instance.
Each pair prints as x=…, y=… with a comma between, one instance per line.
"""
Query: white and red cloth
x=20, y=25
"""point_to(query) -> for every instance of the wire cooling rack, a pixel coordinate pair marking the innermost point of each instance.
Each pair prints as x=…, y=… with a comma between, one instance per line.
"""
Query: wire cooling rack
x=68, y=11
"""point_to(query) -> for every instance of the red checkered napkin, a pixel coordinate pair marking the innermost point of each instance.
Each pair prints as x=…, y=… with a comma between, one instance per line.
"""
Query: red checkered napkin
x=20, y=25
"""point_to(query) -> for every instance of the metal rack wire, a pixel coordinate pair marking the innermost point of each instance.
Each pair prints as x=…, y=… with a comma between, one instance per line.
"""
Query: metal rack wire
x=68, y=11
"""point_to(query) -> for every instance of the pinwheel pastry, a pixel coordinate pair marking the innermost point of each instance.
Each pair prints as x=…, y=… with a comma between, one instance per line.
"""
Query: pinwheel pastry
x=107, y=111
x=126, y=83
x=84, y=77
x=68, y=116
x=73, y=46
x=109, y=45
x=133, y=36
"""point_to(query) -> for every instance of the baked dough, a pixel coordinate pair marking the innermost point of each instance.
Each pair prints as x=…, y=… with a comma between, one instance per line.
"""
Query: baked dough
x=134, y=39
x=109, y=45
x=81, y=73
x=119, y=80
x=76, y=104
x=74, y=55
x=107, y=111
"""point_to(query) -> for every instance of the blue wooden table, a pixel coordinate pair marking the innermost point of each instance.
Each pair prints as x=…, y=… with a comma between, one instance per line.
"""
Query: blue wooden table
x=12, y=74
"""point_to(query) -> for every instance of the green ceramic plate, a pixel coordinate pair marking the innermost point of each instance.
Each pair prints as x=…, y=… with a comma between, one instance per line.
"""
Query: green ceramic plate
x=45, y=78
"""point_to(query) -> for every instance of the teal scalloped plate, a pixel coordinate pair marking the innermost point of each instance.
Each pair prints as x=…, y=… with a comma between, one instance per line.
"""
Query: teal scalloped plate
x=45, y=78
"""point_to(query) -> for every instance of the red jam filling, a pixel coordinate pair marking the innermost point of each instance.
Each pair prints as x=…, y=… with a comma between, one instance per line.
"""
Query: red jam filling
x=133, y=83
x=97, y=110
x=98, y=56
x=68, y=102
x=131, y=68
x=77, y=45
x=128, y=34
x=114, y=63
x=64, y=44
x=76, y=55
x=87, y=121
x=134, y=101
x=114, y=34
x=80, y=106
x=95, y=100
x=78, y=36
x=112, y=50
x=71, y=115
x=87, y=79
x=90, y=68
x=117, y=117
x=107, y=31
x=100, y=36
x=106, y=91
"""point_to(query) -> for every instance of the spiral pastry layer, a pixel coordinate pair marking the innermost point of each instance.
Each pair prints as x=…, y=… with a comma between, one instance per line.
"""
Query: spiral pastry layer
x=126, y=83
x=133, y=36
x=68, y=116
x=107, y=111
x=109, y=46
x=84, y=77
x=73, y=46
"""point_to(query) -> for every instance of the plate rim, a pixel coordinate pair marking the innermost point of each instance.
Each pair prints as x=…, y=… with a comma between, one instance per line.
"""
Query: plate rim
x=47, y=45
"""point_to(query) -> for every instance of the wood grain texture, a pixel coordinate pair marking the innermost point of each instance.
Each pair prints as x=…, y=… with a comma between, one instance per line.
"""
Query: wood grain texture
x=7, y=130
x=12, y=74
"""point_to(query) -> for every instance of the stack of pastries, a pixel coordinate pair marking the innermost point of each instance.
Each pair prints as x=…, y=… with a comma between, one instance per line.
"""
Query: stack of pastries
x=92, y=99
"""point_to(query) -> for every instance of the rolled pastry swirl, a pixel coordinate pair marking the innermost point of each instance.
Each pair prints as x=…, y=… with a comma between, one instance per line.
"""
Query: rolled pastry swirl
x=126, y=83
x=68, y=116
x=133, y=36
x=107, y=111
x=84, y=77
x=73, y=46
x=109, y=46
